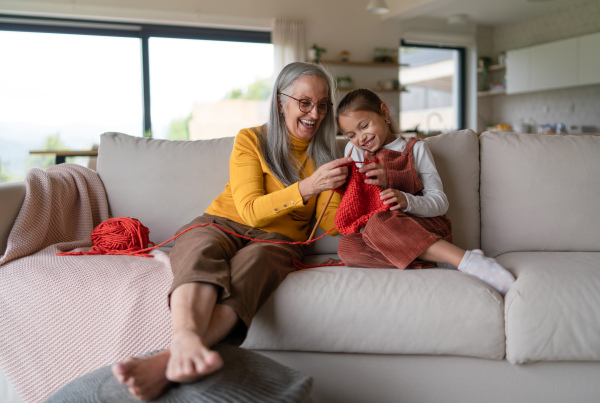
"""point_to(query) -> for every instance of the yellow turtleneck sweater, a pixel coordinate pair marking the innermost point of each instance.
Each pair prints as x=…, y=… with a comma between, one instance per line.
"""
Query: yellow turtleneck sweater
x=254, y=197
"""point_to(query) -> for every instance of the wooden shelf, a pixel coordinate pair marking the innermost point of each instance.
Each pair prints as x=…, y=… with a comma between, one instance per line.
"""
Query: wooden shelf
x=372, y=89
x=490, y=93
x=493, y=67
x=362, y=64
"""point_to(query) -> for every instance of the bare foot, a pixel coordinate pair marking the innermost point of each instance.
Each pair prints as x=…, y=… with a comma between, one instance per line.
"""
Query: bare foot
x=144, y=376
x=190, y=359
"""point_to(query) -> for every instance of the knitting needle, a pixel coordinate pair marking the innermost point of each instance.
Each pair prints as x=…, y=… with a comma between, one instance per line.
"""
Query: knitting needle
x=325, y=208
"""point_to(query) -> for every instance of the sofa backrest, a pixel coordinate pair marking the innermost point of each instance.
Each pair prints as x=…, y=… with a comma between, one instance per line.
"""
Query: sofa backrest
x=539, y=192
x=456, y=156
x=12, y=195
x=165, y=184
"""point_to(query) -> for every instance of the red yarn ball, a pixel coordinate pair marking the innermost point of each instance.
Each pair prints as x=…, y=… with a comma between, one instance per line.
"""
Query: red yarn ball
x=121, y=234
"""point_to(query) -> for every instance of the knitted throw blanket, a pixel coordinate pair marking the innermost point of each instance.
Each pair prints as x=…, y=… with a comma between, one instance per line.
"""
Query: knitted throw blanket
x=359, y=202
x=62, y=317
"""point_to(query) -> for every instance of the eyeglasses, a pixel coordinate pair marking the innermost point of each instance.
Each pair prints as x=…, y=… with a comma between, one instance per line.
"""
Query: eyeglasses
x=306, y=105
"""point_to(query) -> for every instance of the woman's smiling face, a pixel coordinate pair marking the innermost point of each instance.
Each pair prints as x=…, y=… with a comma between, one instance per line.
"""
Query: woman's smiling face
x=304, y=125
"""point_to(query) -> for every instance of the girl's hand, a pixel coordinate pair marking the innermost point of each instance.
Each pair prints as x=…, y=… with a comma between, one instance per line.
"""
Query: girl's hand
x=375, y=172
x=394, y=196
x=328, y=176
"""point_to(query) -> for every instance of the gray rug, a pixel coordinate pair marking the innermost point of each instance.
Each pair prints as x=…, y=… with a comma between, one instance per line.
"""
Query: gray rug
x=246, y=377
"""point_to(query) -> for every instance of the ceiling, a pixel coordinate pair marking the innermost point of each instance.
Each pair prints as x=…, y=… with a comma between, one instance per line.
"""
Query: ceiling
x=485, y=12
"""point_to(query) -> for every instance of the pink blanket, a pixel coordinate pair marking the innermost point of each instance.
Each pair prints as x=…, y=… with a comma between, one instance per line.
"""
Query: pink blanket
x=62, y=317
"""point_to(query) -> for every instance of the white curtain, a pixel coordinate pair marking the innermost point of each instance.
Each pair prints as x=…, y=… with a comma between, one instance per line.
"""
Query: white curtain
x=289, y=43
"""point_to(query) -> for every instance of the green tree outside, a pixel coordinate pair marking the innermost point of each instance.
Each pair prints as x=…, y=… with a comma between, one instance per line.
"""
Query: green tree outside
x=257, y=91
x=5, y=176
x=235, y=93
x=179, y=128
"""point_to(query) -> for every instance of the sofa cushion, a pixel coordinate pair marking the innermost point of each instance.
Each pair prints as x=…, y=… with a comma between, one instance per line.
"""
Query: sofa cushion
x=381, y=311
x=553, y=310
x=528, y=181
x=164, y=184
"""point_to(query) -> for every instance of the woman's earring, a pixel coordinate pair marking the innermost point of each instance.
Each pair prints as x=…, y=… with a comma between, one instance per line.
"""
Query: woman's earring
x=387, y=121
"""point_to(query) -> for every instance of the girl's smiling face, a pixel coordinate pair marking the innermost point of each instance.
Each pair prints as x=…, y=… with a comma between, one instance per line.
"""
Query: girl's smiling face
x=307, y=89
x=367, y=130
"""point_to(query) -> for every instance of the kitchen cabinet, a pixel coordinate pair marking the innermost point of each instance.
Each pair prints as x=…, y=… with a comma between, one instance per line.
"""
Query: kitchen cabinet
x=517, y=70
x=589, y=59
x=553, y=65
x=560, y=64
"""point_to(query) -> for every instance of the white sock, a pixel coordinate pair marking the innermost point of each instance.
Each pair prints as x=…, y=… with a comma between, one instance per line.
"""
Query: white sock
x=450, y=266
x=486, y=269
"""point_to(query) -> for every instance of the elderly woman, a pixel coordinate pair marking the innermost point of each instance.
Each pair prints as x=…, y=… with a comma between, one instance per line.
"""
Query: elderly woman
x=278, y=173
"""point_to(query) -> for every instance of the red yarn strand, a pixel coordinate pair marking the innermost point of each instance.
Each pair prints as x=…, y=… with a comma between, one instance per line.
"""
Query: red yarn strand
x=301, y=266
x=118, y=236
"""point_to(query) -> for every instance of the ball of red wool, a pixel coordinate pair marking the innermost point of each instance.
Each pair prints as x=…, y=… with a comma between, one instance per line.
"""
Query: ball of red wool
x=121, y=234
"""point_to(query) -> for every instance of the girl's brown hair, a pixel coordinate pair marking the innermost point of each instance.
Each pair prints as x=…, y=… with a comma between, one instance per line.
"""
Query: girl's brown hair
x=362, y=99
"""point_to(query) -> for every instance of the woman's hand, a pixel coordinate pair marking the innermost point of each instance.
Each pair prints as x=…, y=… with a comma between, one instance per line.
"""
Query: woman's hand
x=375, y=172
x=394, y=196
x=328, y=176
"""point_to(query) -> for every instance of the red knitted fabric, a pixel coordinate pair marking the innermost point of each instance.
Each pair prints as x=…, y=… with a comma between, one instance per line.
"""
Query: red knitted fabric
x=359, y=202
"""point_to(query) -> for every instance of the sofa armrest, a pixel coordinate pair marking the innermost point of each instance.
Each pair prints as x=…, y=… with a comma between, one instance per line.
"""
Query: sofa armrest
x=11, y=198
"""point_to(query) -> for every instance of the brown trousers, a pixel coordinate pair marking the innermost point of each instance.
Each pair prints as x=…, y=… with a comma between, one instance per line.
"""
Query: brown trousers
x=393, y=239
x=246, y=272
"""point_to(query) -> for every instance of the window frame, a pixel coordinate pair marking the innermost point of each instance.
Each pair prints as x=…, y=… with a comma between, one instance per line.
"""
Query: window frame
x=461, y=76
x=142, y=31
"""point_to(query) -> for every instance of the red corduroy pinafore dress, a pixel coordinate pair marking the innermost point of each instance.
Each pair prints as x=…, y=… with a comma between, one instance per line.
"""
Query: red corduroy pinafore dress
x=394, y=239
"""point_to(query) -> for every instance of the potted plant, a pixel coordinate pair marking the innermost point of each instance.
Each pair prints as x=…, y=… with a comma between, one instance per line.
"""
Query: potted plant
x=314, y=53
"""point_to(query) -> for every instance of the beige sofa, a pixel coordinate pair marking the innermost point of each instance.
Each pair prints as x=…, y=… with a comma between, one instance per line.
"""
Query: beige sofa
x=437, y=335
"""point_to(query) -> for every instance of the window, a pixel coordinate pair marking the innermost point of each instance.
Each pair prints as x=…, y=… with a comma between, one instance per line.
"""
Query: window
x=62, y=91
x=65, y=82
x=206, y=89
x=434, y=80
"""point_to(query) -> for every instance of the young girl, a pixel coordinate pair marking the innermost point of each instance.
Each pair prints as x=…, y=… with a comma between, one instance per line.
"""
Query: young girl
x=407, y=226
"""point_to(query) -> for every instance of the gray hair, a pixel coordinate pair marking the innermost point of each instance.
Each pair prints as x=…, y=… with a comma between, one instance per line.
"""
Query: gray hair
x=274, y=141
